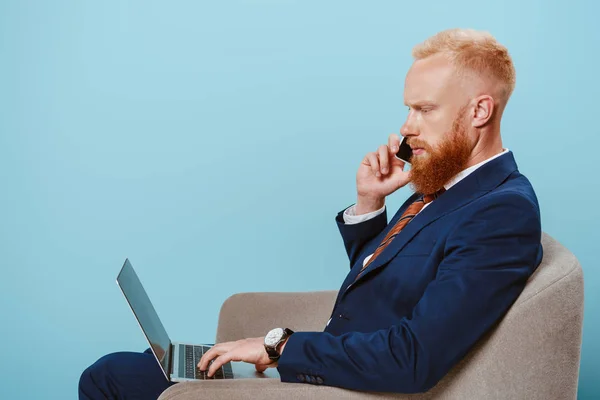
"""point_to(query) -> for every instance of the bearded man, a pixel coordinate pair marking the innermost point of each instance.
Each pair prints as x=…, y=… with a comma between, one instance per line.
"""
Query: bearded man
x=425, y=287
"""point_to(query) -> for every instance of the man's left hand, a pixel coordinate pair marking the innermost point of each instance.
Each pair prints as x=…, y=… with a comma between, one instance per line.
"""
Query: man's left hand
x=250, y=350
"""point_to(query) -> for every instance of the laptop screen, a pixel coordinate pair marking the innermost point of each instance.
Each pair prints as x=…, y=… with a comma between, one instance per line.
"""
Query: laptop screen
x=146, y=315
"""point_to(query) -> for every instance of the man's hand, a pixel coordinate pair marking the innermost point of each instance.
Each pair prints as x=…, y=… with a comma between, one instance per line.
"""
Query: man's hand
x=380, y=174
x=248, y=350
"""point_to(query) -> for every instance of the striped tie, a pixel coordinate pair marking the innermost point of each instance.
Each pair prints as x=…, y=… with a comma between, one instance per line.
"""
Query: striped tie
x=408, y=215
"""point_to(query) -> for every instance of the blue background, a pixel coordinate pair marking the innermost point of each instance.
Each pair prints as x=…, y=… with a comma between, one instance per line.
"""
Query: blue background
x=173, y=132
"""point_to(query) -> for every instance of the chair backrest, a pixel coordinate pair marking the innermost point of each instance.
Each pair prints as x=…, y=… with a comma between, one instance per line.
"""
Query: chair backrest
x=532, y=353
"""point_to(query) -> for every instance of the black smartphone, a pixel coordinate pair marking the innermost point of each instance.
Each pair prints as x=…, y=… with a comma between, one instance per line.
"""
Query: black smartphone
x=404, y=151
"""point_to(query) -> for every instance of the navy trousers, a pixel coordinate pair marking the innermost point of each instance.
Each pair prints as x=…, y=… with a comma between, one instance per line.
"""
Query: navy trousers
x=124, y=375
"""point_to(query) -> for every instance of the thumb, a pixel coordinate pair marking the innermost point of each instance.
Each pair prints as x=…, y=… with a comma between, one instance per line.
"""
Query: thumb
x=260, y=368
x=404, y=177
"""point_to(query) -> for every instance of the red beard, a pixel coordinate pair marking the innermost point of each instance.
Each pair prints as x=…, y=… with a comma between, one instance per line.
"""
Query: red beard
x=429, y=172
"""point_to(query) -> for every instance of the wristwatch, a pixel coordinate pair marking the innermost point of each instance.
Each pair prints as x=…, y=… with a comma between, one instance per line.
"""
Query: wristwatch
x=273, y=339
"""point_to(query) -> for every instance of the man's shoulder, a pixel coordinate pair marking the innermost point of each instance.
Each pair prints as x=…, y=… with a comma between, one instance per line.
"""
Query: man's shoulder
x=516, y=188
x=514, y=198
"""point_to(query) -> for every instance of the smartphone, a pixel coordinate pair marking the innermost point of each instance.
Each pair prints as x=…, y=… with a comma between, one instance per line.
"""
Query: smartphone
x=404, y=151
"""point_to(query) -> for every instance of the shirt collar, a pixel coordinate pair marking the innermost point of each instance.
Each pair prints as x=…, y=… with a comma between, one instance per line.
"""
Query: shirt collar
x=464, y=173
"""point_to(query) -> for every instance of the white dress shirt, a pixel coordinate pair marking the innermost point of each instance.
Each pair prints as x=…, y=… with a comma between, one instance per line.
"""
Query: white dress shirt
x=350, y=216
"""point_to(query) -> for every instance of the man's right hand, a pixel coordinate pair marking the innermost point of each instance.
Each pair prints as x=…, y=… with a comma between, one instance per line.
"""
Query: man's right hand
x=379, y=175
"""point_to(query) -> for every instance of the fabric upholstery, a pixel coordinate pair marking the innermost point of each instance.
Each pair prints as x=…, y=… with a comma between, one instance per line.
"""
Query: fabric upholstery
x=533, y=353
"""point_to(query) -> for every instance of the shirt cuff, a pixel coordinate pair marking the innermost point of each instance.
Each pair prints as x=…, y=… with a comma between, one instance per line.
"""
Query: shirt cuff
x=350, y=216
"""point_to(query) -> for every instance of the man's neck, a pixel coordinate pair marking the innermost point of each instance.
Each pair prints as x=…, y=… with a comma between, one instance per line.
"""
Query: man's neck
x=486, y=149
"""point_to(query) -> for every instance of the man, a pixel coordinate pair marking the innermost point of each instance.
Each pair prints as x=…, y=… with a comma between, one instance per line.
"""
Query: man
x=423, y=288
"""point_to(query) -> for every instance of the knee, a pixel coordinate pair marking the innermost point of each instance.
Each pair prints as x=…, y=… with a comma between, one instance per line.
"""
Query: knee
x=97, y=374
x=89, y=387
x=85, y=380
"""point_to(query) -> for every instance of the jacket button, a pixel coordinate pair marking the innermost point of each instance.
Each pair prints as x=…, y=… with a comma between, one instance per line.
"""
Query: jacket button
x=313, y=380
x=300, y=377
x=307, y=378
x=319, y=380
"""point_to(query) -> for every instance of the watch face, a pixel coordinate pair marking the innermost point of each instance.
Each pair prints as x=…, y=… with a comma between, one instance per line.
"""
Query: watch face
x=273, y=336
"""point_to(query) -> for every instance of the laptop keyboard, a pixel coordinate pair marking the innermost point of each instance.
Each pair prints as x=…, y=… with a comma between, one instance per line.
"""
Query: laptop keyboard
x=192, y=358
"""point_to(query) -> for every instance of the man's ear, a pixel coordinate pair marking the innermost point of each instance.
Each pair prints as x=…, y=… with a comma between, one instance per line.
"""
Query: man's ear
x=483, y=110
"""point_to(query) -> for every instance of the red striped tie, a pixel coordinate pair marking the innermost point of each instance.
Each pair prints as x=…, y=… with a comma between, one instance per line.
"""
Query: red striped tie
x=406, y=217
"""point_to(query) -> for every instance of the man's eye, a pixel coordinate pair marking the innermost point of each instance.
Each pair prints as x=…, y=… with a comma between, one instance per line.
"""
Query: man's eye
x=425, y=110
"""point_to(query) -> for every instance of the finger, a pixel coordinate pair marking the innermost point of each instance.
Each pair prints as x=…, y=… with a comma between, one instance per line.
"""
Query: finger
x=205, y=359
x=212, y=353
x=260, y=368
x=384, y=153
x=394, y=143
x=219, y=362
x=374, y=163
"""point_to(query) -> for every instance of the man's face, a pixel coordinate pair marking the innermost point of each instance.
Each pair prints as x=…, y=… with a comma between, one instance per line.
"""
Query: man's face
x=437, y=126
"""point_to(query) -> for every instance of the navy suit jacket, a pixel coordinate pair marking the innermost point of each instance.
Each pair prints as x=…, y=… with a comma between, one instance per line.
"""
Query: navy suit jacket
x=446, y=279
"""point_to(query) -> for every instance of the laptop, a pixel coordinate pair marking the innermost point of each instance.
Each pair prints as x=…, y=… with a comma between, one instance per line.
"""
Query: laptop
x=178, y=361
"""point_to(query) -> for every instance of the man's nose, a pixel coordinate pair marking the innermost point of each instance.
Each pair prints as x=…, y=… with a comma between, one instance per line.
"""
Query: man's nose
x=409, y=128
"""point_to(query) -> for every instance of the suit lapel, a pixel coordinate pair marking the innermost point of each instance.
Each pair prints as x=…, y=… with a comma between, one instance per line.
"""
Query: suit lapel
x=481, y=181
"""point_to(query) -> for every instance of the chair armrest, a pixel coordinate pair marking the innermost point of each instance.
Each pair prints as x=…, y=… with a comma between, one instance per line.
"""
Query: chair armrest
x=253, y=314
x=245, y=315
x=270, y=389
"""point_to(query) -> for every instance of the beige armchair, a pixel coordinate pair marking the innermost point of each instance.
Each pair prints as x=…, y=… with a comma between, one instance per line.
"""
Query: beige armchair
x=533, y=353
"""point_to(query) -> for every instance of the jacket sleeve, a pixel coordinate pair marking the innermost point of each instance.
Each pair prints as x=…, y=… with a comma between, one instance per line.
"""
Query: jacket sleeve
x=356, y=235
x=487, y=260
